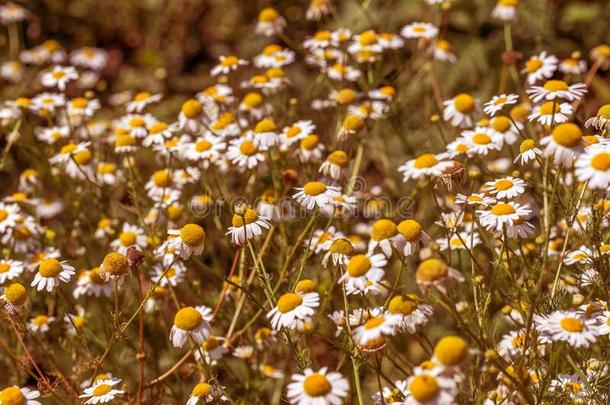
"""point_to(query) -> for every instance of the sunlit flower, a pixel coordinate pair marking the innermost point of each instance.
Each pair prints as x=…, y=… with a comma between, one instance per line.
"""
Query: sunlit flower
x=292, y=307
x=540, y=67
x=317, y=387
x=459, y=110
x=59, y=76
x=102, y=391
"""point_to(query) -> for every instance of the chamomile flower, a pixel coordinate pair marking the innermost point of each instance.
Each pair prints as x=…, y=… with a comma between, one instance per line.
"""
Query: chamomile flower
x=413, y=313
x=505, y=10
x=502, y=214
x=441, y=50
x=539, y=67
x=186, y=241
x=550, y=113
x=204, y=150
x=557, y=89
x=430, y=388
x=418, y=30
x=59, y=76
x=39, y=324
x=191, y=322
x=363, y=270
x=573, y=65
x=424, y=165
x=340, y=72
x=315, y=194
x=527, y=151
x=50, y=273
x=270, y=22
x=14, y=296
x=247, y=226
x=459, y=110
x=593, y=166
x=601, y=121
x=505, y=188
x=130, y=236
x=317, y=387
x=227, y=64
x=340, y=251
x=192, y=116
x=384, y=234
x=436, y=273
x=459, y=241
x=570, y=327
x=102, y=391
x=244, y=153
x=482, y=140
x=497, y=103
x=274, y=55
x=142, y=100
x=296, y=132
x=12, y=13
x=413, y=236
x=213, y=349
x=334, y=164
x=205, y=393
x=292, y=307
x=370, y=336
x=318, y=9
x=15, y=395
x=10, y=269
x=564, y=144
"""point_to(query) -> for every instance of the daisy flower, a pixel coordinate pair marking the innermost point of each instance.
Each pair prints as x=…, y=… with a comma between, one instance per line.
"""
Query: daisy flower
x=573, y=65
x=292, y=307
x=350, y=126
x=296, y=132
x=413, y=235
x=362, y=270
x=441, y=50
x=557, y=89
x=435, y=273
x=227, y=64
x=393, y=395
x=205, y=393
x=142, y=100
x=9, y=216
x=459, y=241
x=459, y=110
x=59, y=76
x=318, y=9
x=370, y=335
x=501, y=214
x=527, y=151
x=572, y=385
x=265, y=134
x=186, y=241
x=340, y=72
x=391, y=41
x=310, y=149
x=102, y=391
x=114, y=265
x=427, y=388
x=418, y=30
x=601, y=121
x=130, y=236
x=539, y=67
x=551, y=112
x=40, y=323
x=10, y=269
x=505, y=10
x=340, y=251
x=193, y=322
x=334, y=164
x=50, y=273
x=424, y=165
x=191, y=117
x=317, y=387
x=497, y=103
x=14, y=297
x=384, y=233
x=15, y=395
x=315, y=194
x=274, y=55
x=593, y=166
x=247, y=226
x=564, y=144
x=12, y=13
x=570, y=327
x=244, y=153
x=507, y=187
x=482, y=140
x=89, y=58
x=413, y=313
x=270, y=22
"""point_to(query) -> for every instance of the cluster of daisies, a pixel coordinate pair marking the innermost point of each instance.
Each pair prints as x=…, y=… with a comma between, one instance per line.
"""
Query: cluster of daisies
x=176, y=248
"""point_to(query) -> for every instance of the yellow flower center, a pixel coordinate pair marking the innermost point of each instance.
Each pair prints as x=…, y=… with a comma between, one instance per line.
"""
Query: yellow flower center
x=203, y=145
x=41, y=320
x=309, y=142
x=4, y=267
x=316, y=385
x=141, y=96
x=268, y=15
x=201, y=390
x=425, y=161
x=322, y=35
x=508, y=3
x=358, y=265
x=265, y=125
x=402, y=304
x=368, y=38
x=410, y=229
x=15, y=294
x=271, y=49
x=275, y=73
x=526, y=145
x=192, y=108
x=424, y=388
x=338, y=158
x=83, y=157
x=58, y=74
x=305, y=286
x=555, y=85
x=548, y=108
x=533, y=65
x=314, y=188
x=464, y=103
x=249, y=216
x=604, y=112
x=501, y=124
x=502, y=209
x=481, y=139
x=293, y=131
x=383, y=229
x=69, y=148
x=49, y=268
x=162, y=178
x=500, y=100
x=224, y=120
x=352, y=123
x=571, y=324
x=388, y=91
x=431, y=270
x=567, y=135
x=252, y=100
x=115, y=264
x=80, y=102
x=503, y=184
x=158, y=127
x=248, y=148
x=601, y=161
x=101, y=389
x=289, y=302
x=345, y=96
x=125, y=140
x=12, y=396
x=342, y=246
x=192, y=235
x=127, y=238
x=451, y=350
x=229, y=61
x=187, y=318
x=3, y=214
